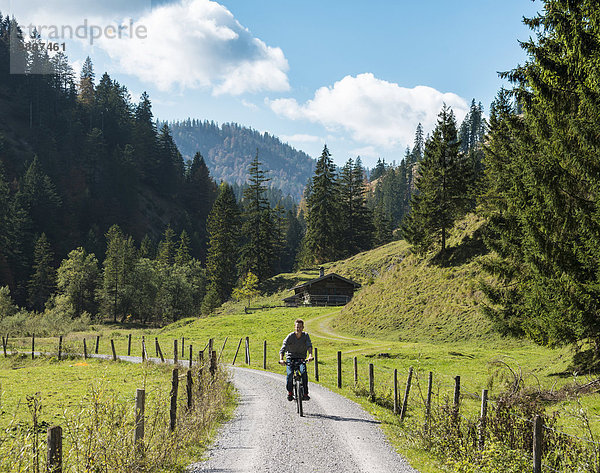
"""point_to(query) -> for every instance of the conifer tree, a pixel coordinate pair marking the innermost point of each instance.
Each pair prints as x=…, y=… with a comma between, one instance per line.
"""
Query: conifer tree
x=182, y=254
x=356, y=219
x=43, y=280
x=321, y=241
x=441, y=196
x=553, y=165
x=118, y=271
x=223, y=248
x=257, y=254
x=86, y=83
x=166, y=248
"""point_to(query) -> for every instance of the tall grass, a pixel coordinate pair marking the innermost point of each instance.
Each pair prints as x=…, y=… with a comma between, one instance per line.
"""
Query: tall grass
x=98, y=433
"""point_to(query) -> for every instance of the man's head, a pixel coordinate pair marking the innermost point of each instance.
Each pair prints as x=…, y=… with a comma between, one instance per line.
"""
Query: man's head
x=299, y=325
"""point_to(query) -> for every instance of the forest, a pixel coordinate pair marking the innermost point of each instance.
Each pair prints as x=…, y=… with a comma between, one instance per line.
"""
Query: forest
x=98, y=205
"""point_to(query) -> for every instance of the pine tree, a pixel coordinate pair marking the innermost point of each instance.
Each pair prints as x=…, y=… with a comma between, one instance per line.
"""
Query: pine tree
x=257, y=250
x=43, y=280
x=86, y=84
x=118, y=265
x=356, y=219
x=554, y=179
x=182, y=255
x=166, y=248
x=323, y=214
x=441, y=187
x=223, y=248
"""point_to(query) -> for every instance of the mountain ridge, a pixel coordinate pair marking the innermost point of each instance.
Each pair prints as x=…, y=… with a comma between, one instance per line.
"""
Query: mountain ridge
x=228, y=149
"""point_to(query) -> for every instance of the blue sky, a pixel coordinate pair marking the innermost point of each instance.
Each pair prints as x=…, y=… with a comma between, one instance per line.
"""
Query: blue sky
x=358, y=75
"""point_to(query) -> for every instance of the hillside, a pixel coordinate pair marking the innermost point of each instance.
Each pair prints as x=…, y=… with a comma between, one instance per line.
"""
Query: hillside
x=418, y=299
x=404, y=296
x=229, y=148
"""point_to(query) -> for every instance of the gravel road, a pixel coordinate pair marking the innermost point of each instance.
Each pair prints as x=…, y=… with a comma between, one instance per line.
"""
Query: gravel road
x=267, y=435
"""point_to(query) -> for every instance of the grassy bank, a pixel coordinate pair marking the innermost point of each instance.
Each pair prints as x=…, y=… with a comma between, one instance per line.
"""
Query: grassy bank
x=94, y=403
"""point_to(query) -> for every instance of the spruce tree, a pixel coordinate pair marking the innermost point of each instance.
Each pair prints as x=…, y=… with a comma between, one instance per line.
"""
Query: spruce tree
x=257, y=255
x=118, y=266
x=223, y=248
x=166, y=247
x=441, y=197
x=554, y=172
x=323, y=225
x=43, y=280
x=355, y=218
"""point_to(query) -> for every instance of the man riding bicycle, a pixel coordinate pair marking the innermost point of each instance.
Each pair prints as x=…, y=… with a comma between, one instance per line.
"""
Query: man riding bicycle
x=294, y=347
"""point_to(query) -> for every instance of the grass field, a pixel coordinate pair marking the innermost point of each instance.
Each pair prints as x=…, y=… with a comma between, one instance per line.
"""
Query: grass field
x=411, y=312
x=480, y=363
x=94, y=403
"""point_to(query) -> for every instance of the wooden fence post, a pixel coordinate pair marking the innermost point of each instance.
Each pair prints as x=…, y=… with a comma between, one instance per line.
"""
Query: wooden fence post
x=355, y=362
x=538, y=433
x=406, y=393
x=182, y=348
x=428, y=402
x=339, y=369
x=112, y=346
x=213, y=362
x=54, y=449
x=265, y=355
x=129, y=345
x=200, y=374
x=173, y=410
x=211, y=343
x=140, y=400
x=248, y=350
x=144, y=354
x=191, y=354
x=85, y=355
x=32, y=345
x=97, y=343
x=316, y=364
x=395, y=392
x=222, y=349
x=236, y=352
x=189, y=391
x=371, y=382
x=4, y=343
x=483, y=419
x=156, y=345
x=456, y=402
x=201, y=358
x=175, y=353
x=59, y=347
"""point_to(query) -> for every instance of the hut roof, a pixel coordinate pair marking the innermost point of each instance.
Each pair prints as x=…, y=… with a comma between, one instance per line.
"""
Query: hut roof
x=327, y=276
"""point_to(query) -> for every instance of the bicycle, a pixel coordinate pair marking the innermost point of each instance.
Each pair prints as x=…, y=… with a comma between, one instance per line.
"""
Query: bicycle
x=295, y=363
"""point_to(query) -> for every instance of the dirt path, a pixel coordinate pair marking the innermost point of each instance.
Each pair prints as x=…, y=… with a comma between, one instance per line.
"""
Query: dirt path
x=267, y=435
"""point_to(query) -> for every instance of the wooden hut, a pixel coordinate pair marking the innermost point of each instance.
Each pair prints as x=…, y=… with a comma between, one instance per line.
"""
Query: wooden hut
x=327, y=289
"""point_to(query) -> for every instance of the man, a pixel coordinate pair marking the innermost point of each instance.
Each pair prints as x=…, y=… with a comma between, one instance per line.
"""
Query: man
x=295, y=346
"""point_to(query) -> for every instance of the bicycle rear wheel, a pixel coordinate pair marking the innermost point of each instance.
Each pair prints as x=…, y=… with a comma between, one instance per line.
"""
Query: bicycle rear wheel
x=300, y=394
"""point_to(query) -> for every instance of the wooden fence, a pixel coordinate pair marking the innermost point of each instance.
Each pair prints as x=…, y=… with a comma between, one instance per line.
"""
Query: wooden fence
x=400, y=405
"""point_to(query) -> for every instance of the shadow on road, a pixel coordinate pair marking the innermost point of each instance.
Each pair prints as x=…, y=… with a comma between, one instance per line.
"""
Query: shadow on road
x=342, y=419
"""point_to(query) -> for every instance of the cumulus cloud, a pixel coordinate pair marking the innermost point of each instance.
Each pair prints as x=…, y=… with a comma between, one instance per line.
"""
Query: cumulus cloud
x=375, y=112
x=187, y=44
x=199, y=44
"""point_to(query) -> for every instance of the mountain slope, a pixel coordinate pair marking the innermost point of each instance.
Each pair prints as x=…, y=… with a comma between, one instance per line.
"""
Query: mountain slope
x=405, y=296
x=229, y=148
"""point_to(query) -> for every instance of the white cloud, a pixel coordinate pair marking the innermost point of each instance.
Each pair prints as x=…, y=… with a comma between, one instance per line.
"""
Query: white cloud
x=199, y=44
x=375, y=112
